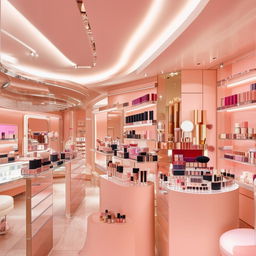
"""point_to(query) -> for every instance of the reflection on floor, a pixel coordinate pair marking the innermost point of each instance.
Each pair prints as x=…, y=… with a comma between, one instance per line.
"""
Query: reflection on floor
x=68, y=234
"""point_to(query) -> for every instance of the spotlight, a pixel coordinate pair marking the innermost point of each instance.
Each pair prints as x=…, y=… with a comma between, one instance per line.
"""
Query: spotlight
x=5, y=84
x=221, y=65
x=33, y=54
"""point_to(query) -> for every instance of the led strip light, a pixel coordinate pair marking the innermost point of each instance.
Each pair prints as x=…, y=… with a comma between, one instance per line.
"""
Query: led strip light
x=12, y=74
x=32, y=51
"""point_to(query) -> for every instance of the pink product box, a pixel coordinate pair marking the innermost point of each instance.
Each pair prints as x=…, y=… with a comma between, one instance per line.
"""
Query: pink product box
x=106, y=149
x=244, y=124
x=133, y=156
x=133, y=151
x=136, y=101
x=144, y=149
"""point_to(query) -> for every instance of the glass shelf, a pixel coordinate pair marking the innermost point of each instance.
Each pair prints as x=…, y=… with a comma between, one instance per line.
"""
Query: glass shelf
x=239, y=162
x=242, y=78
x=140, y=125
x=240, y=107
x=239, y=139
x=144, y=105
x=140, y=139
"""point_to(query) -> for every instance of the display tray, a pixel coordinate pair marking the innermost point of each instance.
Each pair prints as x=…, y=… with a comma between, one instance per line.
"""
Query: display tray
x=125, y=183
x=10, y=179
x=198, y=192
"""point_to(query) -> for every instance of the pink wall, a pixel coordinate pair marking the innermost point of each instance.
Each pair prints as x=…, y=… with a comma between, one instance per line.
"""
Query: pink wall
x=198, y=91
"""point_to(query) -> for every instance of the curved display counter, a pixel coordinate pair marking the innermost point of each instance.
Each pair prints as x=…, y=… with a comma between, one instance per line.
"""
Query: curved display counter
x=109, y=239
x=137, y=202
x=192, y=222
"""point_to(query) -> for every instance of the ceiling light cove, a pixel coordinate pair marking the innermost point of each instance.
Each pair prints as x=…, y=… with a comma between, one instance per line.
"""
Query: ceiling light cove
x=18, y=18
x=166, y=36
x=158, y=27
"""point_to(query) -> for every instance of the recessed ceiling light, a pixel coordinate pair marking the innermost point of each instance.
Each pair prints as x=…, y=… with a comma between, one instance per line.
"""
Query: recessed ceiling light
x=221, y=65
x=145, y=74
x=162, y=71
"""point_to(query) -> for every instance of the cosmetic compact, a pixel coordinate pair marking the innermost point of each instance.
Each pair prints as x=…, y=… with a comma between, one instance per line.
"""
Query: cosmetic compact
x=3, y=158
x=54, y=157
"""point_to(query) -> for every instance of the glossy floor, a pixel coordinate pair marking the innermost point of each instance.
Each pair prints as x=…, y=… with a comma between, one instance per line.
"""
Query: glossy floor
x=69, y=234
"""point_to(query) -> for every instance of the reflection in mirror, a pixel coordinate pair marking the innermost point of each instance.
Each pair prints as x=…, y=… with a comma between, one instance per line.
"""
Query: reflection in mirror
x=168, y=107
x=8, y=138
x=36, y=129
x=38, y=134
x=8, y=132
x=114, y=125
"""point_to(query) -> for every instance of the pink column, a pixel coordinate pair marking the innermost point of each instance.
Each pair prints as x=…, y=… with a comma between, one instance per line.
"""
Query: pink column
x=137, y=202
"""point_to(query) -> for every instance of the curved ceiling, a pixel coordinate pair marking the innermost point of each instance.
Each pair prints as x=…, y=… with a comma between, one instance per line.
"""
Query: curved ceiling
x=45, y=40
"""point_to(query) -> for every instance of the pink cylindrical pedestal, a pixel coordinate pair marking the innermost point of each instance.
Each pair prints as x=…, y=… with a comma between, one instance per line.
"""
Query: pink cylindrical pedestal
x=137, y=203
x=195, y=221
x=109, y=239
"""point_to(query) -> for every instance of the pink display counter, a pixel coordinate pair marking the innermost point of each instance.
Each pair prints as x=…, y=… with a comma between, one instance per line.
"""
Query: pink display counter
x=114, y=239
x=137, y=203
x=191, y=223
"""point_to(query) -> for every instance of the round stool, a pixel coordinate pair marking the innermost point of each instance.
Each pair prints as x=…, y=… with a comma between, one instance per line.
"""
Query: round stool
x=6, y=205
x=240, y=241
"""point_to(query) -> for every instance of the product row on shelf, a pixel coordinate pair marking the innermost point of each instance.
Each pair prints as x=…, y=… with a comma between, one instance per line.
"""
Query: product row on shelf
x=241, y=132
x=237, y=99
x=37, y=141
x=127, y=175
x=33, y=166
x=110, y=217
x=236, y=96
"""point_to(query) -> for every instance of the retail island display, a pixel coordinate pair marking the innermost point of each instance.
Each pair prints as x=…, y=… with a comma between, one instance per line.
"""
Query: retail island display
x=109, y=238
x=209, y=193
x=136, y=200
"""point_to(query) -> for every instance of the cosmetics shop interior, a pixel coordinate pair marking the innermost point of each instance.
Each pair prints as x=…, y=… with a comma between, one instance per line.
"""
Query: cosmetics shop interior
x=128, y=128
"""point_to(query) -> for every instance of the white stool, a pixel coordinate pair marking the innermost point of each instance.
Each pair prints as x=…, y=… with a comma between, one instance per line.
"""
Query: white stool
x=6, y=205
x=240, y=241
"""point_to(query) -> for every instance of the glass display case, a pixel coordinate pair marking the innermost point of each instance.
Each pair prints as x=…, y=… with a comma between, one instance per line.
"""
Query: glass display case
x=11, y=171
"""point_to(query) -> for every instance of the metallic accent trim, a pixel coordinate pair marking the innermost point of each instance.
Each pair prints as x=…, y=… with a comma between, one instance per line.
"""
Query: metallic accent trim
x=12, y=74
x=88, y=30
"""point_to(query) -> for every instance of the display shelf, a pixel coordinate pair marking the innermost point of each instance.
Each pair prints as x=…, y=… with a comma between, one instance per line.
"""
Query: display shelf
x=241, y=107
x=140, y=125
x=239, y=162
x=14, y=163
x=238, y=79
x=39, y=151
x=174, y=214
x=244, y=185
x=144, y=105
x=137, y=202
x=140, y=139
x=101, y=167
x=208, y=192
x=11, y=179
x=254, y=140
x=134, y=161
x=103, y=153
x=39, y=213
